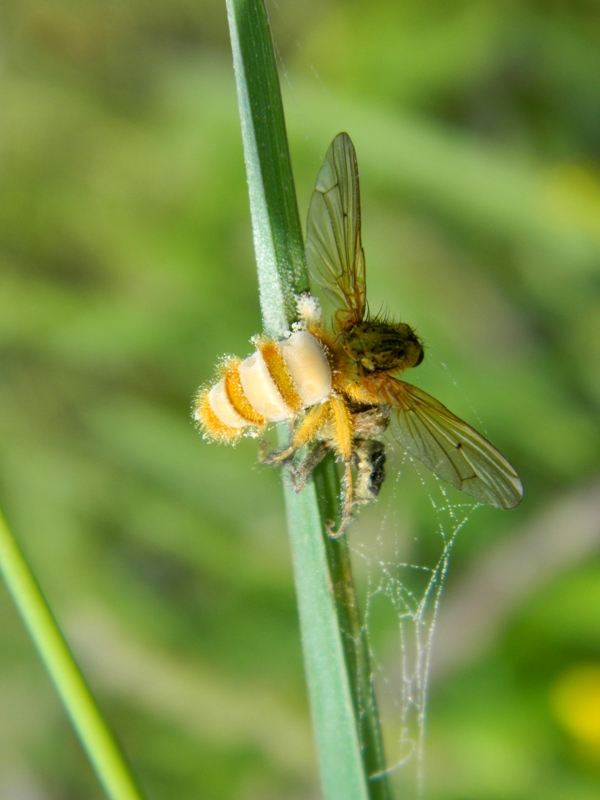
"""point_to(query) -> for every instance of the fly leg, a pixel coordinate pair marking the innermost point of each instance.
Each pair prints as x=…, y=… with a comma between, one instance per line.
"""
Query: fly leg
x=304, y=470
x=312, y=423
x=343, y=439
x=347, y=504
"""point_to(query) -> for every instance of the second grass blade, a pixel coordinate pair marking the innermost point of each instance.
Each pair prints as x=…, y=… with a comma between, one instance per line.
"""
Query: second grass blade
x=91, y=727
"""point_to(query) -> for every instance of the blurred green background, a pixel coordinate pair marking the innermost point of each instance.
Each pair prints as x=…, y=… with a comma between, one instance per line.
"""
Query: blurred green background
x=126, y=270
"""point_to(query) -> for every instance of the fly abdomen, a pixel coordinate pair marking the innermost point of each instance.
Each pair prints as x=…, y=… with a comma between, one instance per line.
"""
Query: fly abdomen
x=273, y=384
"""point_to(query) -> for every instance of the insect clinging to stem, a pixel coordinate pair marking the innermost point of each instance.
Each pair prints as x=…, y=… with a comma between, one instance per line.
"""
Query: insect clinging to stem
x=340, y=388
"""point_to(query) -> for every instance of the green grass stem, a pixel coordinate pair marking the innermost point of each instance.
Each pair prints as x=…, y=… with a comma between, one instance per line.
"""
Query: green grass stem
x=94, y=734
x=344, y=712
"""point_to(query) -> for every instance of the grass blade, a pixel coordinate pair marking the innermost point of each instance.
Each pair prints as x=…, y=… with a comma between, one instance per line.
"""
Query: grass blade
x=94, y=734
x=335, y=652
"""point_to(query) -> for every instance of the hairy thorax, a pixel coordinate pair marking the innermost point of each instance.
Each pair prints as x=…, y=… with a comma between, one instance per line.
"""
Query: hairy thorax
x=382, y=347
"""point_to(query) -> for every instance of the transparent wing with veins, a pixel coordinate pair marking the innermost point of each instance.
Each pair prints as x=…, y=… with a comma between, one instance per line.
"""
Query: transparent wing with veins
x=334, y=251
x=450, y=448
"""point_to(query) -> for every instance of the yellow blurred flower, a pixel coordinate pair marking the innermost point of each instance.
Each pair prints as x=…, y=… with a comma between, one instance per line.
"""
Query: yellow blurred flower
x=575, y=701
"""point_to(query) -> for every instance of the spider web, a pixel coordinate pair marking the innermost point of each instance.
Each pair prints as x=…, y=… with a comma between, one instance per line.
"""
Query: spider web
x=402, y=582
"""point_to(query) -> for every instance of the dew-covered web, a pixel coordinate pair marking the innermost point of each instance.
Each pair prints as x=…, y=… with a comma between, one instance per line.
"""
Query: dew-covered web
x=401, y=569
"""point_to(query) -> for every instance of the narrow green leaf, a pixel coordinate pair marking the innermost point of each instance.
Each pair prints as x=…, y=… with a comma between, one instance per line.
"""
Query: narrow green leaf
x=336, y=656
x=354, y=634
x=94, y=734
x=273, y=205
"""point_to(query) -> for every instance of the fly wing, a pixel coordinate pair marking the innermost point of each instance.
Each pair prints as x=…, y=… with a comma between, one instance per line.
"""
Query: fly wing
x=451, y=449
x=334, y=251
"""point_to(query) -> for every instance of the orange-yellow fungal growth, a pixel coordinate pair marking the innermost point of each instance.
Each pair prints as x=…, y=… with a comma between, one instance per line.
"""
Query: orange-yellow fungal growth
x=237, y=398
x=276, y=364
x=275, y=383
x=211, y=425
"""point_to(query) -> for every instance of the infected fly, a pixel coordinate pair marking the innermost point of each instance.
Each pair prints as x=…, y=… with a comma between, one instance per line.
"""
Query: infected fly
x=339, y=387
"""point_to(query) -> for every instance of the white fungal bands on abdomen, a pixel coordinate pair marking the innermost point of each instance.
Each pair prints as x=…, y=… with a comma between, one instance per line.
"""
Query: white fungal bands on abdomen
x=273, y=384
